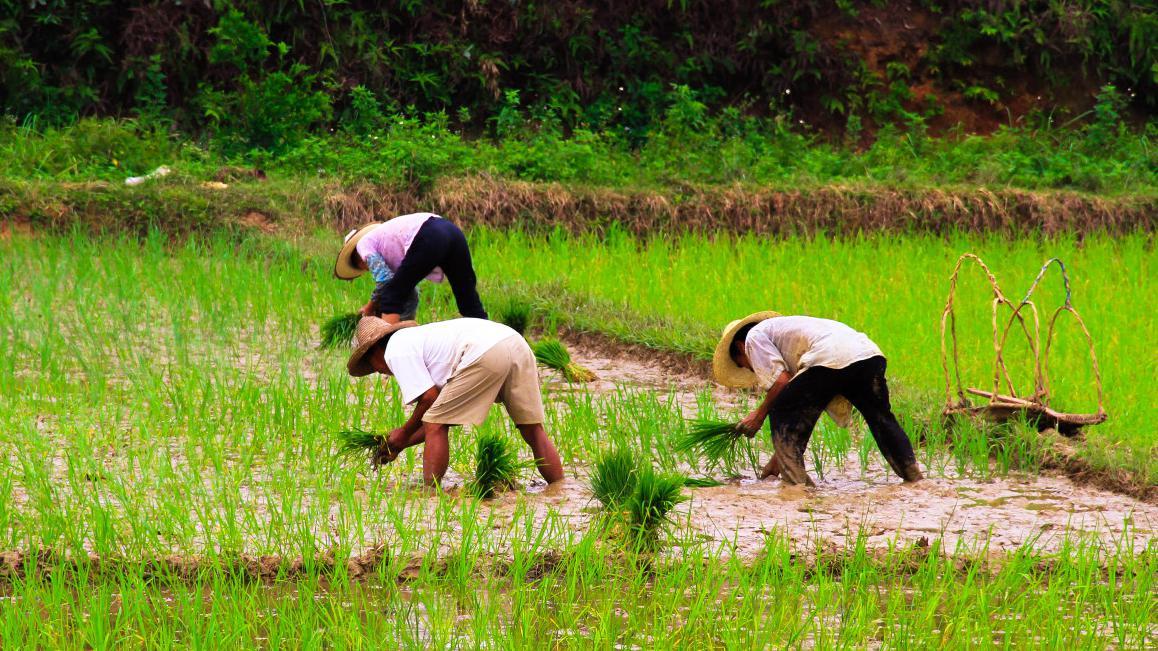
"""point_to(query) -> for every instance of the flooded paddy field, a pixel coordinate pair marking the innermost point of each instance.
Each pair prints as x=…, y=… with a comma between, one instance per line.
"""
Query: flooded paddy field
x=168, y=459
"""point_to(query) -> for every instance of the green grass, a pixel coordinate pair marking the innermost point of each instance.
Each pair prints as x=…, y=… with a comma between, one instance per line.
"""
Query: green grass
x=422, y=150
x=678, y=293
x=161, y=400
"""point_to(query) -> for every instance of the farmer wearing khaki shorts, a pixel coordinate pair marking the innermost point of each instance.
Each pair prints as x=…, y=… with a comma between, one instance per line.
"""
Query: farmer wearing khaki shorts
x=807, y=365
x=453, y=371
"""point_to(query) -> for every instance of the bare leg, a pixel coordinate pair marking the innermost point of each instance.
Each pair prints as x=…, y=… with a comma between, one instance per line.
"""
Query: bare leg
x=771, y=469
x=436, y=454
x=546, y=456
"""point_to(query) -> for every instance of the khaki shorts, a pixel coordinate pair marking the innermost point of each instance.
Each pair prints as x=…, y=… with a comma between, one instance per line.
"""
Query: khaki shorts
x=506, y=373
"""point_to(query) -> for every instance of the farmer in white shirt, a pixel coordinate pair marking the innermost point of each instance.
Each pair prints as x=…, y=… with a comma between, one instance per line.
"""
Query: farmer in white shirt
x=399, y=253
x=453, y=371
x=805, y=365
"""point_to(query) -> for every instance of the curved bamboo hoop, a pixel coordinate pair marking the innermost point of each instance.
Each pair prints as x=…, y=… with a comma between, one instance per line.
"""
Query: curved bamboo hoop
x=1041, y=394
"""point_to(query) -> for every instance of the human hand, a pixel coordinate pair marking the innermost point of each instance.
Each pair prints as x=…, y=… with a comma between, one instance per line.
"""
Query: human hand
x=751, y=424
x=368, y=309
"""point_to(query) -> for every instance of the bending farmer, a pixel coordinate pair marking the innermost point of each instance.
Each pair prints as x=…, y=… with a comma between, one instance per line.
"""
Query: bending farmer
x=806, y=365
x=453, y=371
x=399, y=253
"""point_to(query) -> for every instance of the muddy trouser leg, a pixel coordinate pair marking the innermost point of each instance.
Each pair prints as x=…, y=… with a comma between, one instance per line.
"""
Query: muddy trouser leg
x=793, y=417
x=866, y=388
x=459, y=271
x=425, y=253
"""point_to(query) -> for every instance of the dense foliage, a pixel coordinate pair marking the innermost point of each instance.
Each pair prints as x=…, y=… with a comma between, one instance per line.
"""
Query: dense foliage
x=263, y=74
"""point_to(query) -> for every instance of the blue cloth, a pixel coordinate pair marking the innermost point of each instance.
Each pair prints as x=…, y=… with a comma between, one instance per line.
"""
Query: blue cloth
x=382, y=274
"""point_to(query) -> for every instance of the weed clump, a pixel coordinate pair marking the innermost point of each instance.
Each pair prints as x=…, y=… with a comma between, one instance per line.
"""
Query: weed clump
x=553, y=354
x=497, y=466
x=339, y=330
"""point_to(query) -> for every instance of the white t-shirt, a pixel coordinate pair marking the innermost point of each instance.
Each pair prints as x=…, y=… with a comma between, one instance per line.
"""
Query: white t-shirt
x=428, y=355
x=796, y=343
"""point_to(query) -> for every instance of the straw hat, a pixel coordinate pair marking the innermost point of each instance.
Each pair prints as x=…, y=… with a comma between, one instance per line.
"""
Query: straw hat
x=370, y=331
x=724, y=369
x=729, y=374
x=344, y=267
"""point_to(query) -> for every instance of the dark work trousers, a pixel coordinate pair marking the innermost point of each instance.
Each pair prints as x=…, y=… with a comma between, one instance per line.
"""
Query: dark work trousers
x=795, y=411
x=438, y=243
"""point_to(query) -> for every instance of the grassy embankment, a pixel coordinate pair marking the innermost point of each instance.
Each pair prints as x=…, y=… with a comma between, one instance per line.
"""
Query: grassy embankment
x=167, y=400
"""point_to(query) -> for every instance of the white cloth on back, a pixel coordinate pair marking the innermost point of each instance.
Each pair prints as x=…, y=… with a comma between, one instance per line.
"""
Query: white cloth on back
x=798, y=343
x=429, y=355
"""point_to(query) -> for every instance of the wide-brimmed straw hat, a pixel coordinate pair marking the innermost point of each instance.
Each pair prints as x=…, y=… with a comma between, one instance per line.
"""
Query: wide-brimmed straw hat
x=370, y=331
x=724, y=368
x=344, y=266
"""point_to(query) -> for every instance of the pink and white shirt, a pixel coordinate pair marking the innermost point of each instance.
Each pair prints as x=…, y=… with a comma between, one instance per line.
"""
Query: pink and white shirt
x=391, y=240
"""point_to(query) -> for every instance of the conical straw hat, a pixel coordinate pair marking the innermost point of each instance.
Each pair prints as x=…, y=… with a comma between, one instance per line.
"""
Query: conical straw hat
x=370, y=330
x=344, y=267
x=724, y=369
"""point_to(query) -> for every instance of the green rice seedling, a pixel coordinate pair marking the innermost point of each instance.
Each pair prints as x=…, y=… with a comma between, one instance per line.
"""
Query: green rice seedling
x=720, y=442
x=649, y=508
x=354, y=442
x=497, y=466
x=553, y=354
x=614, y=478
x=338, y=330
x=516, y=314
x=701, y=482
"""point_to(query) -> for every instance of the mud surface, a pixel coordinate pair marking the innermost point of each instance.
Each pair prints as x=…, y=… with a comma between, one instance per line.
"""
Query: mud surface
x=970, y=515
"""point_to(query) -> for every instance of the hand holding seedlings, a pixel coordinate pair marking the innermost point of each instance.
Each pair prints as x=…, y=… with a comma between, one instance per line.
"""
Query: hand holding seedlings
x=806, y=365
x=752, y=423
x=453, y=372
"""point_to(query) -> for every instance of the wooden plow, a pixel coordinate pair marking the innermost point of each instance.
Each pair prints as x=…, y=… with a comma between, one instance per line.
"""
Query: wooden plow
x=1000, y=405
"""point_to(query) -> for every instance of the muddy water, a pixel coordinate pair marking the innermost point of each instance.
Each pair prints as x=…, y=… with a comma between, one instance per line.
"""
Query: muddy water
x=1004, y=512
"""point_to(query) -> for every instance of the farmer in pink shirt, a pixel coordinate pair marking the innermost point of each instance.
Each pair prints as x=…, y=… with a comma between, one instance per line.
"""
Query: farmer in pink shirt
x=399, y=253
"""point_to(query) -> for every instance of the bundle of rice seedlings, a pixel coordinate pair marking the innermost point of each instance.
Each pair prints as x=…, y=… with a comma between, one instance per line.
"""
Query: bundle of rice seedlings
x=716, y=440
x=339, y=330
x=649, y=508
x=356, y=442
x=613, y=480
x=516, y=315
x=553, y=354
x=497, y=466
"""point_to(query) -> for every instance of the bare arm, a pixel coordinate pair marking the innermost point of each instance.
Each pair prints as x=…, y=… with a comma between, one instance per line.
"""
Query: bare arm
x=752, y=423
x=425, y=401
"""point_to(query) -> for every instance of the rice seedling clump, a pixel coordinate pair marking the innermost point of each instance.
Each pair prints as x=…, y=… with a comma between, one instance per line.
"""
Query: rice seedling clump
x=497, y=466
x=553, y=354
x=338, y=330
x=356, y=441
x=717, y=441
x=613, y=480
x=651, y=503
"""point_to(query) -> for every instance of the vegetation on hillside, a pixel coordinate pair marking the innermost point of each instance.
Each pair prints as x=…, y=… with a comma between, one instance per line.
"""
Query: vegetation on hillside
x=263, y=75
